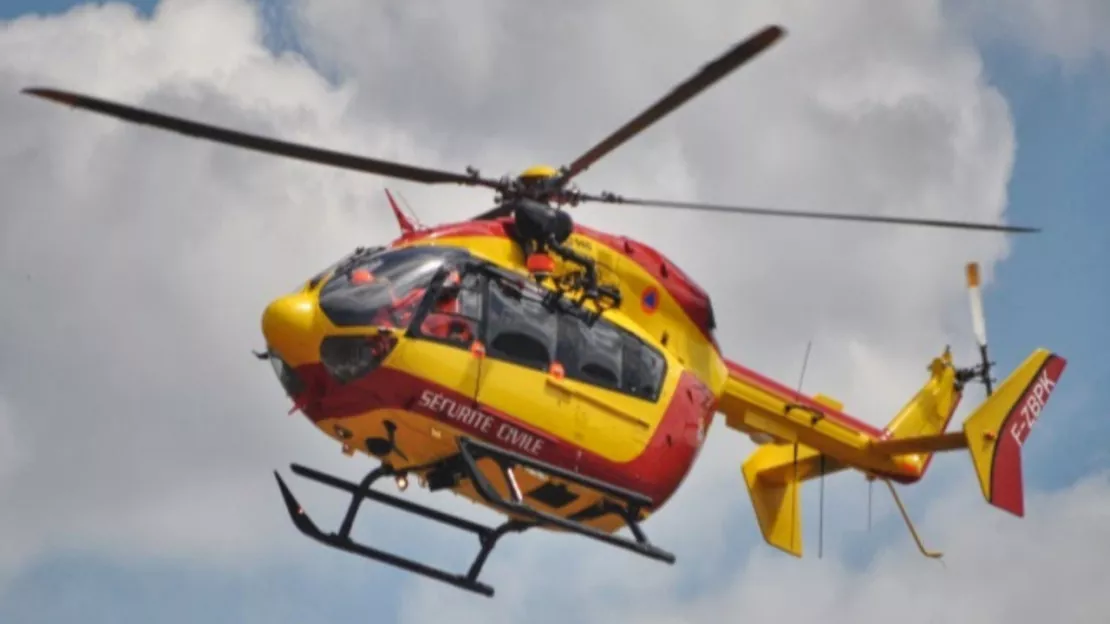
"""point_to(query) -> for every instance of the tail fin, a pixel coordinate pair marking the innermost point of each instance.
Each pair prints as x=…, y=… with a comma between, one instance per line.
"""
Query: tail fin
x=403, y=221
x=928, y=412
x=997, y=430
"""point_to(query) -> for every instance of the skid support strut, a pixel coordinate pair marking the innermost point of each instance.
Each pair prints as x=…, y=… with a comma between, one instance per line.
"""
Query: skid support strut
x=627, y=504
x=624, y=503
x=487, y=536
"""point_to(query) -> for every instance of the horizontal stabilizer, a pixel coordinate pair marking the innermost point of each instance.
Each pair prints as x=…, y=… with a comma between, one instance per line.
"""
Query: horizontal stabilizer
x=921, y=444
x=774, y=476
x=777, y=510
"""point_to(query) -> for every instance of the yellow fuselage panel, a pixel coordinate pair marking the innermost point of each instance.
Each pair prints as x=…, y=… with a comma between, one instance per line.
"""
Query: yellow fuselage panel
x=608, y=423
x=425, y=441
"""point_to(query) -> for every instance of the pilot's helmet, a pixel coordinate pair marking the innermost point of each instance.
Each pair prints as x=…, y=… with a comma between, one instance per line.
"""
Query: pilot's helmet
x=361, y=277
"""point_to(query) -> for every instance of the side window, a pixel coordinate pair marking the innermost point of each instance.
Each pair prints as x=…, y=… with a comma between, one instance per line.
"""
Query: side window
x=590, y=354
x=609, y=357
x=455, y=318
x=520, y=329
x=643, y=371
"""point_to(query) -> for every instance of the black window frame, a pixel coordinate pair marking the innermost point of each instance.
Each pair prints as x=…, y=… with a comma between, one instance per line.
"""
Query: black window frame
x=557, y=306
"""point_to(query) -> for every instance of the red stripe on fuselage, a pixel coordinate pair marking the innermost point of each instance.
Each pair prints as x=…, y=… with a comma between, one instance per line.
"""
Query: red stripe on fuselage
x=799, y=398
x=656, y=472
x=693, y=300
x=466, y=228
x=685, y=291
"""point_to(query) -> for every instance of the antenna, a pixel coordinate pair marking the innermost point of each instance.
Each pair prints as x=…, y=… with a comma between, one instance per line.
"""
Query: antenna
x=821, y=464
x=412, y=213
x=821, y=515
x=805, y=361
x=403, y=221
x=821, y=510
x=870, y=490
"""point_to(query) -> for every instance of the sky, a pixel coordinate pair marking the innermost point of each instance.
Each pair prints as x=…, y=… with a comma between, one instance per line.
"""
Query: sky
x=138, y=435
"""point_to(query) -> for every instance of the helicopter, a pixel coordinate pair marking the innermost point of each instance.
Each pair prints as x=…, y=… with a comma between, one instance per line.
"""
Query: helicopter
x=567, y=377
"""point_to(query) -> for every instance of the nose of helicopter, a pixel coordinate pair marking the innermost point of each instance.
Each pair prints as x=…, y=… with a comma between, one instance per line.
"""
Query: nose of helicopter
x=288, y=327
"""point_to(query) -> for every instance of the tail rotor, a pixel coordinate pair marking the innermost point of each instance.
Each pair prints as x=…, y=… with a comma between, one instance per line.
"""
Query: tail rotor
x=981, y=372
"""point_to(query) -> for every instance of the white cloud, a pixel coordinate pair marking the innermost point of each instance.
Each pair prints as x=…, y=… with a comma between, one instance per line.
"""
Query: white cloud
x=138, y=264
x=996, y=568
x=12, y=455
x=140, y=261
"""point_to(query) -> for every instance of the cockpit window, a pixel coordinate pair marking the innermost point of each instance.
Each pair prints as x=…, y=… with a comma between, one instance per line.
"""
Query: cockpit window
x=382, y=288
x=454, y=318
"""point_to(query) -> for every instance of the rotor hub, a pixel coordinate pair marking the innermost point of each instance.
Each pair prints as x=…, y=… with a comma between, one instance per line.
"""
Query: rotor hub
x=538, y=172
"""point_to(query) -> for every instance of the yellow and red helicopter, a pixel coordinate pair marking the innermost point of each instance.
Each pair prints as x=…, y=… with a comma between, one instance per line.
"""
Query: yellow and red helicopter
x=567, y=377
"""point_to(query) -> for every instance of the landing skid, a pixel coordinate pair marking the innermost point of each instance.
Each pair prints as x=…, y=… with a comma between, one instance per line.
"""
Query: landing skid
x=624, y=503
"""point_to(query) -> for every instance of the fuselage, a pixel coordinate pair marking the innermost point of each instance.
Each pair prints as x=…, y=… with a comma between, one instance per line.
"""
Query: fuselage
x=394, y=338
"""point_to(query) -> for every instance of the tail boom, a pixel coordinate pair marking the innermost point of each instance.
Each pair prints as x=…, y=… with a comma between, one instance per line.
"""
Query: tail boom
x=758, y=406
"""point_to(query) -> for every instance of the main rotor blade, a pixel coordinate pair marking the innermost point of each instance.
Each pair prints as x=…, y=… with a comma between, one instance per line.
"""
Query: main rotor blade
x=703, y=79
x=830, y=216
x=257, y=143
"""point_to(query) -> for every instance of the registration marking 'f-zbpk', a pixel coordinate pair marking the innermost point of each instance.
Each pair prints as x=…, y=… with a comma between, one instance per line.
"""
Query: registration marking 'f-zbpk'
x=1031, y=407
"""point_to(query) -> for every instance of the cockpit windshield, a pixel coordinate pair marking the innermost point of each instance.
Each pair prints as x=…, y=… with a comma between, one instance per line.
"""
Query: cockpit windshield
x=382, y=288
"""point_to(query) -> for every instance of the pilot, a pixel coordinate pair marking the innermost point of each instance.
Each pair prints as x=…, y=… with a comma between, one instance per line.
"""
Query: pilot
x=399, y=311
x=445, y=321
